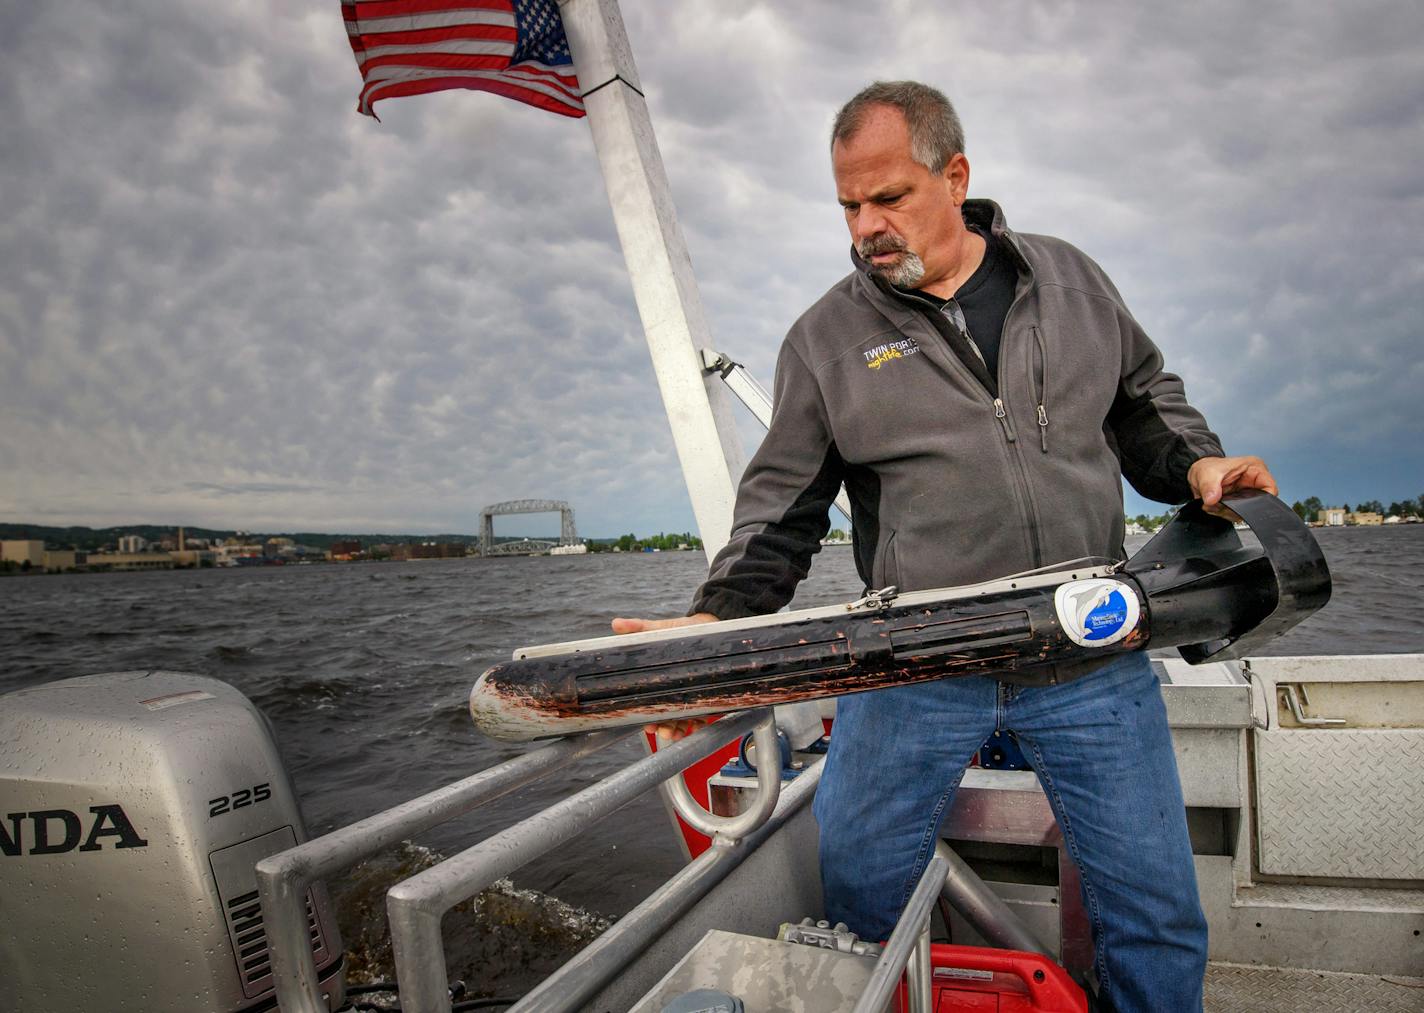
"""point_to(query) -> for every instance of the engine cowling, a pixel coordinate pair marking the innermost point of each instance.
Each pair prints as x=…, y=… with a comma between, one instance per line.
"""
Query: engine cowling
x=133, y=807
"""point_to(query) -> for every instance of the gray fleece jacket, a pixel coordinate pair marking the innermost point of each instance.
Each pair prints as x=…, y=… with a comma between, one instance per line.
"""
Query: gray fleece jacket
x=955, y=476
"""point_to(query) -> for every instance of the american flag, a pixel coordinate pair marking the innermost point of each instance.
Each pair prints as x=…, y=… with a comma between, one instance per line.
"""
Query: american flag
x=514, y=48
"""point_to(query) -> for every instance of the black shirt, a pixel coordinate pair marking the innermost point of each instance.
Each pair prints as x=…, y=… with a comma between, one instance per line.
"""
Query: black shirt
x=984, y=300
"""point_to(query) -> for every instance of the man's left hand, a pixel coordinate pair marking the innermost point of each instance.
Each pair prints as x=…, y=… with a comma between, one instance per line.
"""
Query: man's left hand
x=1212, y=477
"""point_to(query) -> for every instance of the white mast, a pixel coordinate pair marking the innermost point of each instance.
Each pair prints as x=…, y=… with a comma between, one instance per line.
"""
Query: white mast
x=698, y=407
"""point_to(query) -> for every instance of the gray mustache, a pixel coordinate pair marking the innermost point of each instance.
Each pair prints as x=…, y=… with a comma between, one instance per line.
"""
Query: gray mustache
x=883, y=243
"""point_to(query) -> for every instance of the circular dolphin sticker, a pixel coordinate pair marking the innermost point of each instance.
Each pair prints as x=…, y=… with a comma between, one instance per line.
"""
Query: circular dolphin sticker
x=1096, y=612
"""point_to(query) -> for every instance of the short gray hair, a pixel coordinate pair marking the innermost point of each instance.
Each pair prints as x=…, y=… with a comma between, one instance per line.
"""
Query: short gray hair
x=935, y=133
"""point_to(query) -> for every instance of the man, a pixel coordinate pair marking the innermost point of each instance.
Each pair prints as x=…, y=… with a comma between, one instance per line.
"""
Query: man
x=980, y=393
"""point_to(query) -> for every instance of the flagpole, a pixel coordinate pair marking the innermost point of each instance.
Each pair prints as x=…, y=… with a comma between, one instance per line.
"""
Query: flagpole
x=698, y=406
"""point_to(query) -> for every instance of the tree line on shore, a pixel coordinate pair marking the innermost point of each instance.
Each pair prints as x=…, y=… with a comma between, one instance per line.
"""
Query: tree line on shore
x=1309, y=509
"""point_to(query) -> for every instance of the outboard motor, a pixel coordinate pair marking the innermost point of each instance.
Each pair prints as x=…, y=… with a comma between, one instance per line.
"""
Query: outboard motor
x=133, y=807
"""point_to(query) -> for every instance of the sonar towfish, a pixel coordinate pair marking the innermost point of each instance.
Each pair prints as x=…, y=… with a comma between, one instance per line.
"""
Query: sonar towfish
x=1195, y=586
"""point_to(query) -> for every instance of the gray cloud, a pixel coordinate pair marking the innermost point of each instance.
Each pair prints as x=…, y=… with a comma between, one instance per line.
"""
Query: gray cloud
x=250, y=488
x=228, y=299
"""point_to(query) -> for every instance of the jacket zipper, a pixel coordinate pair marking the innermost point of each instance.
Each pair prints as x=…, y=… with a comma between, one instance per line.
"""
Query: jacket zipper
x=1025, y=489
x=1040, y=385
x=1001, y=413
x=1003, y=417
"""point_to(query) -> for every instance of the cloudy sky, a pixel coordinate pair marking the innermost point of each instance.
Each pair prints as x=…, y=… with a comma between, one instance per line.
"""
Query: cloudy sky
x=227, y=299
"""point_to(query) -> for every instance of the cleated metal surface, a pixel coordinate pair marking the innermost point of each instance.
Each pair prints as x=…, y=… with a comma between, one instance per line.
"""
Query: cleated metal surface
x=1341, y=803
x=1237, y=987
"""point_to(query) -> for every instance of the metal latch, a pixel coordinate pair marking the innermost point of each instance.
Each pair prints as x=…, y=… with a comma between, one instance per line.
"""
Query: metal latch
x=822, y=935
x=877, y=599
x=1297, y=700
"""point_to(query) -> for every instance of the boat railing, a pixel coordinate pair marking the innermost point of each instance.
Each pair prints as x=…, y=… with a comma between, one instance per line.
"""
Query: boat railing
x=582, y=977
x=416, y=906
x=907, y=957
x=907, y=951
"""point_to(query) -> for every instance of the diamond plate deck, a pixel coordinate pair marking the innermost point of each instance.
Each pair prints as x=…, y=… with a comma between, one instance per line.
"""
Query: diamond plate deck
x=1235, y=987
x=1341, y=803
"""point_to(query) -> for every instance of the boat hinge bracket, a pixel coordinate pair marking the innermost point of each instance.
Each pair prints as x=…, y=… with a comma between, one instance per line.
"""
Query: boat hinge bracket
x=714, y=361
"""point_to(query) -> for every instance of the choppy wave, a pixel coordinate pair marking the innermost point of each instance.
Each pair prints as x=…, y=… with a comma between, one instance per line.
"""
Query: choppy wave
x=503, y=941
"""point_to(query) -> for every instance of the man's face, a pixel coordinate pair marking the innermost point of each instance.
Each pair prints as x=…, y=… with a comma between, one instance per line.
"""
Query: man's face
x=904, y=220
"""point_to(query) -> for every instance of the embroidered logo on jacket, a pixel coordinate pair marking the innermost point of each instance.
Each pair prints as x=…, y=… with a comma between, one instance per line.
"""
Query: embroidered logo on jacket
x=881, y=354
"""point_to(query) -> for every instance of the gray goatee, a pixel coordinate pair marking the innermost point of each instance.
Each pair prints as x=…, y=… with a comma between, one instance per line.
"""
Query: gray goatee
x=905, y=272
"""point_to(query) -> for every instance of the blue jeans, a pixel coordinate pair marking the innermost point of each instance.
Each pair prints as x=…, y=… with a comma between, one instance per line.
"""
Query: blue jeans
x=1103, y=753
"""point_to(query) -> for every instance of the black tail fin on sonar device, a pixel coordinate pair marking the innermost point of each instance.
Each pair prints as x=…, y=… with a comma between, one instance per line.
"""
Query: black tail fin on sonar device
x=1196, y=572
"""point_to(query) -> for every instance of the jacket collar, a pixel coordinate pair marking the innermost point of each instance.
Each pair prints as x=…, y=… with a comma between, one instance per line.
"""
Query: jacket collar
x=982, y=214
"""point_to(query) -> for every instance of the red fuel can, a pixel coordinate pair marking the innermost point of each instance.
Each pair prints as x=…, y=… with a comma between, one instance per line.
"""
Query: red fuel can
x=975, y=979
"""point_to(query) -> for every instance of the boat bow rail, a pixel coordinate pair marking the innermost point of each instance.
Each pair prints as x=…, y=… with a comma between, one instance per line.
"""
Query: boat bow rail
x=416, y=905
x=283, y=879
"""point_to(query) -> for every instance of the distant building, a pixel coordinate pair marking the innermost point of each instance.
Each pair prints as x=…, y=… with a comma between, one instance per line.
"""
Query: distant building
x=60, y=560
x=193, y=558
x=429, y=550
x=129, y=561
x=132, y=543
x=31, y=556
x=233, y=550
x=1332, y=517
x=346, y=550
x=1365, y=518
x=28, y=553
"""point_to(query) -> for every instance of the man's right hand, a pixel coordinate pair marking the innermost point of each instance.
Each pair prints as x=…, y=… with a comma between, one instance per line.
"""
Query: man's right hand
x=669, y=731
x=643, y=625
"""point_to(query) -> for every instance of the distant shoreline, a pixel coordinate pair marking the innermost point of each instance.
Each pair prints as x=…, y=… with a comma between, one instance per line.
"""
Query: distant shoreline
x=9, y=571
